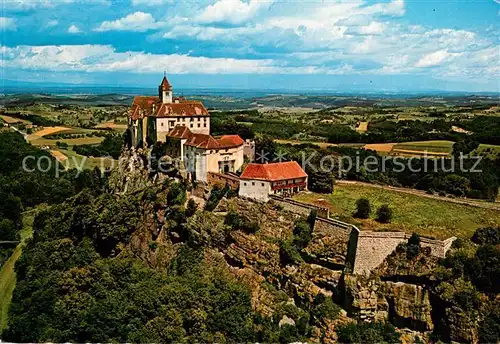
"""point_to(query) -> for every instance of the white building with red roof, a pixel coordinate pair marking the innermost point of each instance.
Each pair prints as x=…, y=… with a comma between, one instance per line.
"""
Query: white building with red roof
x=258, y=181
x=151, y=118
x=166, y=118
x=203, y=153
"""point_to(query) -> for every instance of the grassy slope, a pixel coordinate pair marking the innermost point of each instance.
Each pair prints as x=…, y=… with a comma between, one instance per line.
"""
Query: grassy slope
x=7, y=273
x=412, y=213
x=75, y=161
x=431, y=146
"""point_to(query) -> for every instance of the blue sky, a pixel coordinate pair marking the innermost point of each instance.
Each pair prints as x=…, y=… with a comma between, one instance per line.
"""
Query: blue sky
x=395, y=45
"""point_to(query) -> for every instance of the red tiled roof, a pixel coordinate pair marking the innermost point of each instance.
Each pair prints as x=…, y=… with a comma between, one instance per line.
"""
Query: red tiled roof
x=228, y=141
x=274, y=171
x=185, y=108
x=146, y=105
x=165, y=85
x=181, y=132
x=202, y=141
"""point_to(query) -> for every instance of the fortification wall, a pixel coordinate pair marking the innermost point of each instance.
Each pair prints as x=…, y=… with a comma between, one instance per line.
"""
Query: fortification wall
x=341, y=243
x=330, y=241
x=298, y=207
x=373, y=247
x=223, y=180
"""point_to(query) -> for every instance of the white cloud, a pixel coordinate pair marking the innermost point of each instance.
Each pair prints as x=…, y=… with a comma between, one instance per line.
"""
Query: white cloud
x=151, y=2
x=138, y=21
x=74, y=29
x=33, y=4
x=436, y=58
x=7, y=23
x=232, y=11
x=51, y=23
x=104, y=58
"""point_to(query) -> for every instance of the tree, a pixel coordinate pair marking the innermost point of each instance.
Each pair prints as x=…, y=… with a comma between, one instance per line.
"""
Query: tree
x=8, y=231
x=384, y=214
x=368, y=333
x=413, y=247
x=302, y=234
x=363, y=208
x=465, y=146
x=487, y=235
x=192, y=206
x=321, y=182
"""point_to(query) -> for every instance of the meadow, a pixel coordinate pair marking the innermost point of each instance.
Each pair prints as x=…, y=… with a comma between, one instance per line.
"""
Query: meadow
x=411, y=213
x=7, y=272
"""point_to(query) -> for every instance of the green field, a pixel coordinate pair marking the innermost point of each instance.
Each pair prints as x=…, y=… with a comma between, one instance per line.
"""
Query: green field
x=71, y=142
x=77, y=161
x=490, y=151
x=7, y=273
x=430, y=146
x=411, y=213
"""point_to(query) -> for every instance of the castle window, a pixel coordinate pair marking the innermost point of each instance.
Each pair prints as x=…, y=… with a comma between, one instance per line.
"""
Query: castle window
x=262, y=184
x=253, y=183
x=204, y=125
x=245, y=184
x=198, y=125
x=191, y=125
x=162, y=124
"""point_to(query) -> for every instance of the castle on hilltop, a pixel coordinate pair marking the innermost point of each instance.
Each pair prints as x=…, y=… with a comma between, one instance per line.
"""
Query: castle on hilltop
x=186, y=123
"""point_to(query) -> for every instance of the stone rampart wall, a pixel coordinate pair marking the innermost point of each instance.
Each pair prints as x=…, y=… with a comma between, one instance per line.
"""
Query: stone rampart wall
x=298, y=207
x=373, y=247
x=342, y=243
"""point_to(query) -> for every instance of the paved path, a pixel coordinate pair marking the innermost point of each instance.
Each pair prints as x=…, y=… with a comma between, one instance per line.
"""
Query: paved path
x=465, y=201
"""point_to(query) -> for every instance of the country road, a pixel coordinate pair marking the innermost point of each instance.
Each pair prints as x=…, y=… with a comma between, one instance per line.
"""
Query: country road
x=465, y=201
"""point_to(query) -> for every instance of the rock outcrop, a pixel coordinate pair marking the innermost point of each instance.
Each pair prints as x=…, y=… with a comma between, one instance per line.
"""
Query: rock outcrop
x=404, y=305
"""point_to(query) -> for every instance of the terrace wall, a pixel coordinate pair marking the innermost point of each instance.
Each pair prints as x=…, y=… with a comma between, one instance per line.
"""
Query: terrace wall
x=342, y=243
x=373, y=247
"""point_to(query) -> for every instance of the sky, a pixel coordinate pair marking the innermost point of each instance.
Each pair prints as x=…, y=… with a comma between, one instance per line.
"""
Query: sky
x=391, y=45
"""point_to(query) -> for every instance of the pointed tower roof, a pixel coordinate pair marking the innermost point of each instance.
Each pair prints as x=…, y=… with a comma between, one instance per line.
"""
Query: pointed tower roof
x=165, y=85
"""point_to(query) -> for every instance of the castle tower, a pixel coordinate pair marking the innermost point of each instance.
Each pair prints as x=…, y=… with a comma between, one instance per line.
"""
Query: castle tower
x=165, y=91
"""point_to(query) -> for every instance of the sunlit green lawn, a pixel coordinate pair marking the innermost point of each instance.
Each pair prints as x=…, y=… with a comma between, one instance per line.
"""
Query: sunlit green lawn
x=411, y=213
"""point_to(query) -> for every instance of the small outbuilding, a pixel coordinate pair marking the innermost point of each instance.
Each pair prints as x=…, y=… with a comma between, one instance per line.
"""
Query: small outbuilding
x=258, y=181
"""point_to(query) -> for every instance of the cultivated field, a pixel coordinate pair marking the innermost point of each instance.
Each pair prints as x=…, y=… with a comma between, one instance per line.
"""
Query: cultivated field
x=58, y=155
x=112, y=125
x=431, y=147
x=363, y=126
x=412, y=213
x=71, y=142
x=380, y=147
x=47, y=131
x=12, y=120
x=74, y=160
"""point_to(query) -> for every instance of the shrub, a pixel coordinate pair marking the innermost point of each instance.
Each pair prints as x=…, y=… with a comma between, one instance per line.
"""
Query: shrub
x=363, y=208
x=489, y=330
x=236, y=221
x=324, y=308
x=289, y=254
x=487, y=236
x=192, y=206
x=215, y=196
x=368, y=333
x=302, y=234
x=176, y=195
x=413, y=247
x=384, y=214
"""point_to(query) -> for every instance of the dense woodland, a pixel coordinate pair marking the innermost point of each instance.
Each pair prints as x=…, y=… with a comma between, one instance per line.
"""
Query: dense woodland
x=486, y=129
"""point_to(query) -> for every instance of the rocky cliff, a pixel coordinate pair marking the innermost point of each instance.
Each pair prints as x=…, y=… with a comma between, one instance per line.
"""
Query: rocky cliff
x=400, y=291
